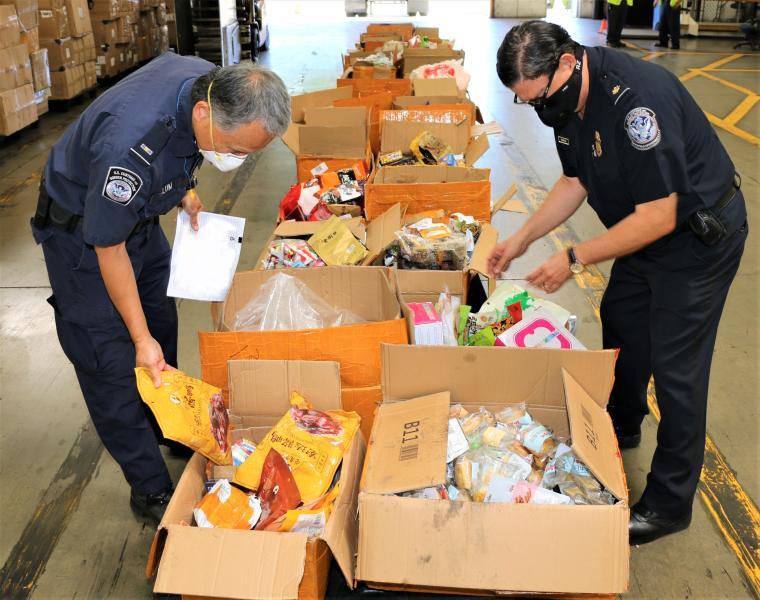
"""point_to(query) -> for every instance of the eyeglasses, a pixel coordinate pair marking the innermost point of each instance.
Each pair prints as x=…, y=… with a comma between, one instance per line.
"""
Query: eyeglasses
x=541, y=100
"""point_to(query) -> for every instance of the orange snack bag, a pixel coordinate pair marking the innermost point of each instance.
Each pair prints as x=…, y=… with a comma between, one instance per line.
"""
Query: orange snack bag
x=227, y=507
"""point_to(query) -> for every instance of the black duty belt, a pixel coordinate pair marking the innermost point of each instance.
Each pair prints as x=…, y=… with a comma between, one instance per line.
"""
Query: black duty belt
x=706, y=223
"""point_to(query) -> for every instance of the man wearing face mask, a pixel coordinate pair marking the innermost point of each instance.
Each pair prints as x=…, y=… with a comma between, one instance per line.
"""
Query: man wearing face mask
x=634, y=142
x=131, y=156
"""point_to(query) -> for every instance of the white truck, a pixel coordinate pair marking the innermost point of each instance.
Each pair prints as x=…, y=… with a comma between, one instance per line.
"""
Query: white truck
x=359, y=8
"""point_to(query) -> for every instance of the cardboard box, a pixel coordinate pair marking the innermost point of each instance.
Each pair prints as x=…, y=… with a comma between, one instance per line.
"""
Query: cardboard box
x=374, y=104
x=79, y=17
x=418, y=57
x=469, y=547
x=26, y=10
x=370, y=292
x=440, y=103
x=10, y=28
x=107, y=63
x=320, y=132
x=90, y=74
x=41, y=101
x=17, y=110
x=105, y=32
x=431, y=33
x=88, y=47
x=62, y=53
x=104, y=9
x=163, y=39
x=67, y=83
x=31, y=37
x=403, y=30
x=53, y=23
x=15, y=70
x=40, y=70
x=147, y=21
x=160, y=12
x=124, y=32
x=367, y=87
x=205, y=563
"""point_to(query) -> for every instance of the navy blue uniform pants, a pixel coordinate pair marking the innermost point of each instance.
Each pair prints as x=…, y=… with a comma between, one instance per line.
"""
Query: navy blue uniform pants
x=616, y=21
x=670, y=25
x=97, y=342
x=663, y=312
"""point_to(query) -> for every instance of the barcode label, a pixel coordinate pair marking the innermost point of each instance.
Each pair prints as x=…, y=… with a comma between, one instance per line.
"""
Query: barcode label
x=409, y=452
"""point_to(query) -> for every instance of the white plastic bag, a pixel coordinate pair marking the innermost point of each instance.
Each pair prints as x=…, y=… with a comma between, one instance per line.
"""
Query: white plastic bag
x=445, y=69
x=287, y=303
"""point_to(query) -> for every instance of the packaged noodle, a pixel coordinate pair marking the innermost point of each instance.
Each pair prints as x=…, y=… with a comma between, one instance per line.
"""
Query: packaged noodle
x=311, y=441
x=227, y=507
x=278, y=490
x=189, y=411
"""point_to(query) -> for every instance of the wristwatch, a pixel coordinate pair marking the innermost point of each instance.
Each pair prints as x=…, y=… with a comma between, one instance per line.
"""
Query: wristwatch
x=576, y=266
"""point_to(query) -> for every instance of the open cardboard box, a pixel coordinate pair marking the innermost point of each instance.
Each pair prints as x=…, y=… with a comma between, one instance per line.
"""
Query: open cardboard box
x=418, y=57
x=404, y=30
x=366, y=87
x=375, y=103
x=426, y=187
x=320, y=132
x=464, y=547
x=370, y=292
x=226, y=563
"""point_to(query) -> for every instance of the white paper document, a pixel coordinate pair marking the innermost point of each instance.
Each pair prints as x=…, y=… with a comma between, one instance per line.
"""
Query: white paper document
x=204, y=261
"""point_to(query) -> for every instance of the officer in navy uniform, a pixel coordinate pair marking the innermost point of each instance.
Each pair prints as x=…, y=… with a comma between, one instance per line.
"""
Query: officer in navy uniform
x=131, y=156
x=632, y=140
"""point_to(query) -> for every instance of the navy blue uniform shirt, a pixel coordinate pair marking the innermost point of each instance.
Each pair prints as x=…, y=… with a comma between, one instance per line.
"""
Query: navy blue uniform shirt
x=131, y=155
x=642, y=138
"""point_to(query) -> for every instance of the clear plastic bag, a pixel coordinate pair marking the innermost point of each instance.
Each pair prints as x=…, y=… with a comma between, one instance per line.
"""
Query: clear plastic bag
x=286, y=303
x=445, y=254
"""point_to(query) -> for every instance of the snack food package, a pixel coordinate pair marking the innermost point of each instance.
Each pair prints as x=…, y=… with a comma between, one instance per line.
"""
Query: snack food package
x=537, y=439
x=428, y=149
x=448, y=308
x=278, y=491
x=445, y=254
x=524, y=492
x=312, y=442
x=445, y=69
x=287, y=303
x=495, y=474
x=188, y=411
x=241, y=450
x=227, y=507
x=311, y=519
x=336, y=245
x=287, y=253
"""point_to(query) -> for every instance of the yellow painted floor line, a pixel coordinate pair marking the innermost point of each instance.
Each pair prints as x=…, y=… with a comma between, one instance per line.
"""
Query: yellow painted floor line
x=733, y=512
x=741, y=111
x=723, y=61
x=736, y=70
x=733, y=129
x=728, y=84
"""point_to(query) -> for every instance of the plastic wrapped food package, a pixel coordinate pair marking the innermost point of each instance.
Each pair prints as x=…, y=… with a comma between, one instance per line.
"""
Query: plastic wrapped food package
x=445, y=69
x=444, y=254
x=286, y=303
x=227, y=507
x=287, y=253
x=278, y=490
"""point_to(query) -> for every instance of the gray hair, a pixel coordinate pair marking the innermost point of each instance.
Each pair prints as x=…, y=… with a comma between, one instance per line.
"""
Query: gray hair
x=245, y=93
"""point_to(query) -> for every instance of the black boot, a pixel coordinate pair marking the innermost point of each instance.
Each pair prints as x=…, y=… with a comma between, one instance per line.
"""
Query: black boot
x=647, y=526
x=150, y=506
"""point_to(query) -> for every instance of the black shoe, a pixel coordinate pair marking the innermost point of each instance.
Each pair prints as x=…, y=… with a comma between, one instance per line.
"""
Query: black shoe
x=661, y=45
x=647, y=526
x=628, y=436
x=150, y=506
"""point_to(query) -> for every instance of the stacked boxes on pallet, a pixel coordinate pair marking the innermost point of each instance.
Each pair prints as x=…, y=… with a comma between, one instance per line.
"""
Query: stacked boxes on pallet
x=17, y=100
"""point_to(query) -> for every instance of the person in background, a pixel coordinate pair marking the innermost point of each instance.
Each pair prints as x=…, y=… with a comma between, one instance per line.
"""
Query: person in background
x=616, y=11
x=670, y=23
x=635, y=143
x=131, y=156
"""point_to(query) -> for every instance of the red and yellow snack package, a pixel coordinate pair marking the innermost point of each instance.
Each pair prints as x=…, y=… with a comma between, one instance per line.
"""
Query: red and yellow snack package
x=278, y=490
x=189, y=411
x=227, y=507
x=311, y=441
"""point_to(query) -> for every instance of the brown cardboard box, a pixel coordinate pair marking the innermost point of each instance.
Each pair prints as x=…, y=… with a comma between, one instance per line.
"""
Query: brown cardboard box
x=90, y=74
x=53, y=23
x=10, y=28
x=209, y=562
x=51, y=4
x=105, y=32
x=154, y=35
x=417, y=57
x=15, y=70
x=61, y=53
x=79, y=17
x=40, y=70
x=404, y=30
x=88, y=47
x=490, y=548
x=143, y=48
x=104, y=9
x=67, y=83
x=439, y=102
x=31, y=37
x=26, y=10
x=147, y=21
x=125, y=33
x=41, y=101
x=163, y=39
x=366, y=87
x=160, y=12
x=107, y=63
x=17, y=109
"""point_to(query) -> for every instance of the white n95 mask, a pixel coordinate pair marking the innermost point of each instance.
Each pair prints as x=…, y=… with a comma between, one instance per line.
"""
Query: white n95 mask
x=223, y=160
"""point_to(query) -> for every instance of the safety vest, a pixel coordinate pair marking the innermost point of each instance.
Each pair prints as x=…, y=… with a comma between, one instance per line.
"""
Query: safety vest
x=618, y=2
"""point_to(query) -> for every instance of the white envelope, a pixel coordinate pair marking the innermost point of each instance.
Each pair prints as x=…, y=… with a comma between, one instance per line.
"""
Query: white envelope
x=204, y=261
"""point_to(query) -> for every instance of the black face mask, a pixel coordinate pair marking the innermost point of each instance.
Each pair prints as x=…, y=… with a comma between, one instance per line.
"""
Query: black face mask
x=555, y=110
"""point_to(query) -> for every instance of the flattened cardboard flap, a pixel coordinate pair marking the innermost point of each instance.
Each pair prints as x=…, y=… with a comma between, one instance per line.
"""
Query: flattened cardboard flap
x=381, y=232
x=475, y=149
x=408, y=445
x=330, y=116
x=191, y=565
x=593, y=437
x=295, y=229
x=321, y=98
x=486, y=242
x=263, y=387
x=445, y=86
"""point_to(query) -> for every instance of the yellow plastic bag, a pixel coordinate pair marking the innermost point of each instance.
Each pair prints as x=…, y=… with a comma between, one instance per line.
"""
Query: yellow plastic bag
x=311, y=521
x=336, y=245
x=312, y=442
x=189, y=411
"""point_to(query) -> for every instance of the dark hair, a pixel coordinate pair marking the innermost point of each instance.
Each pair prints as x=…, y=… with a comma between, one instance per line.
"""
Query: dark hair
x=530, y=50
x=245, y=93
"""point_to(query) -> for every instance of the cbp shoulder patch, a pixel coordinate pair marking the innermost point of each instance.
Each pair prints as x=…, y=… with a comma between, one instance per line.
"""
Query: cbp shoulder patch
x=121, y=185
x=642, y=128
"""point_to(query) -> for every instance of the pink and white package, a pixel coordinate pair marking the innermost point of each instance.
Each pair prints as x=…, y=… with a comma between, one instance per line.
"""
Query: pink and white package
x=538, y=329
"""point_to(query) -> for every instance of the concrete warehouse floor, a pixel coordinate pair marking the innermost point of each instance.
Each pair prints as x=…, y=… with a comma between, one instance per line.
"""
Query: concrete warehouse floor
x=65, y=527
